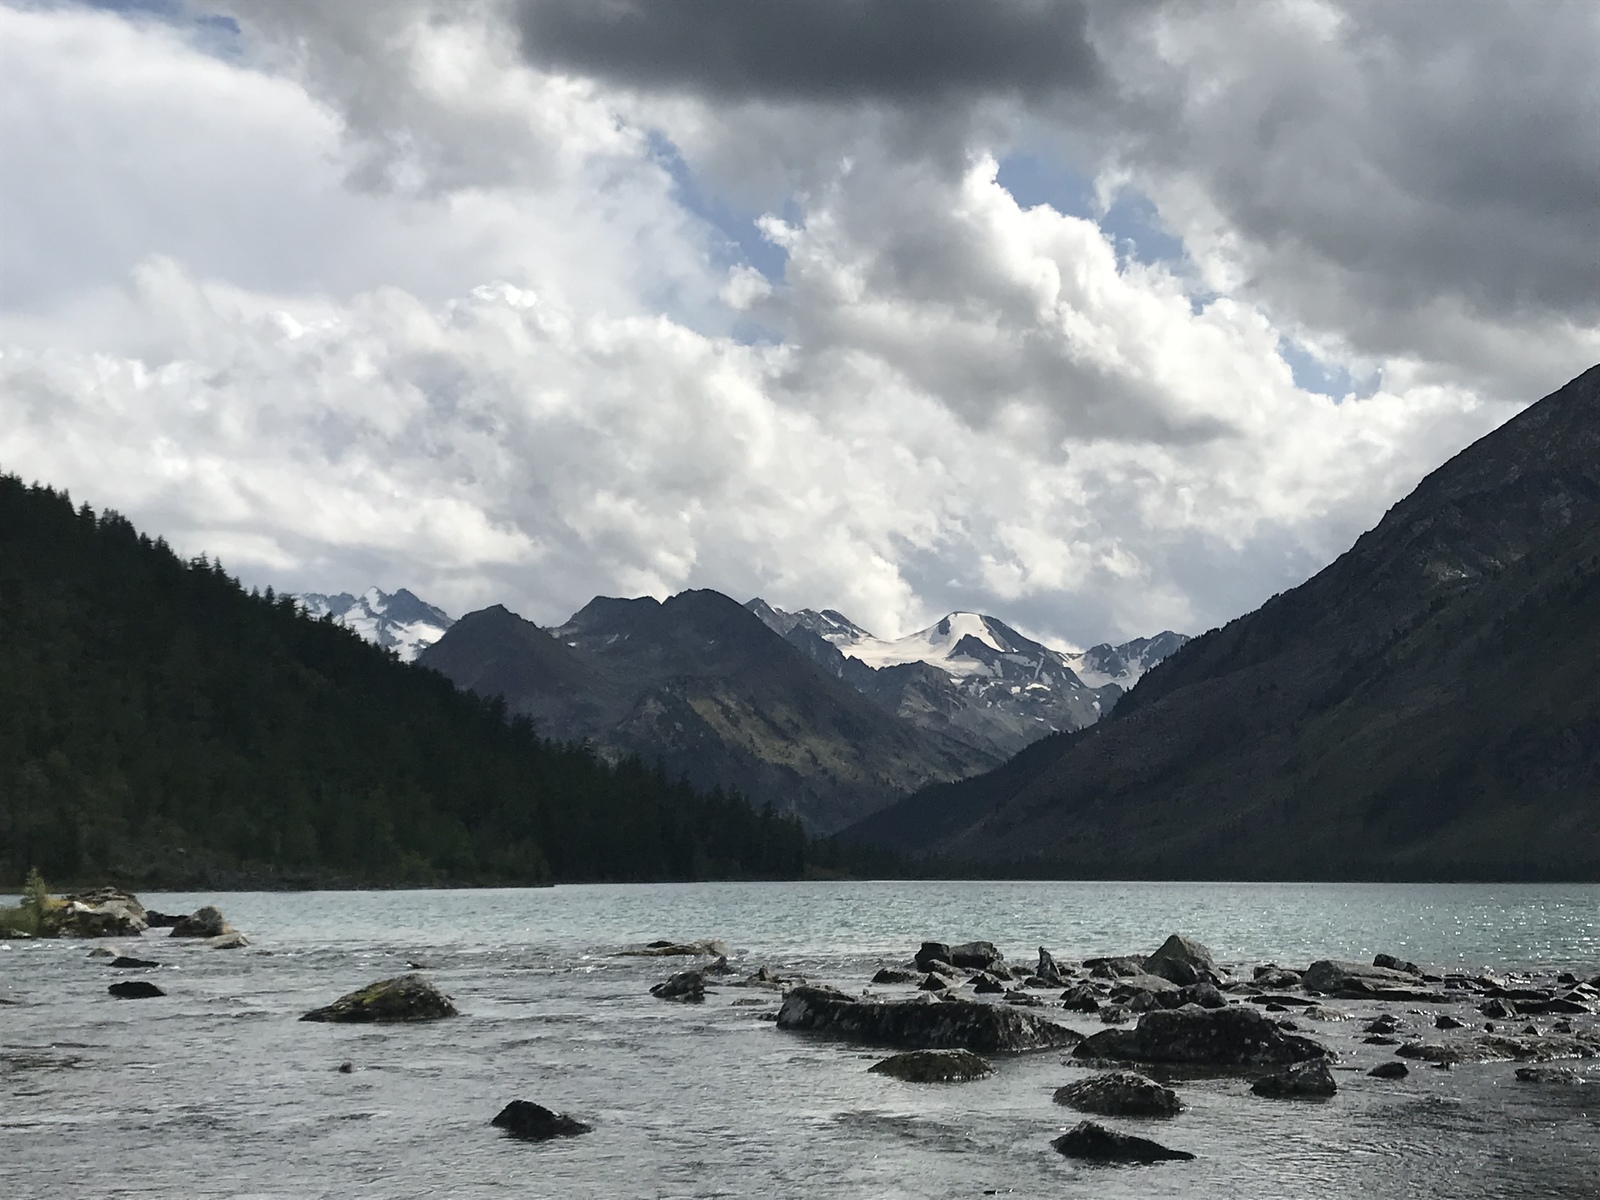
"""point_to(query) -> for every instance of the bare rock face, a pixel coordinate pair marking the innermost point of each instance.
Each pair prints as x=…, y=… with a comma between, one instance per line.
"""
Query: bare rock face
x=1096, y=1143
x=104, y=912
x=921, y=1024
x=1120, y=1094
x=1183, y=962
x=1310, y=1080
x=207, y=922
x=535, y=1123
x=934, y=1066
x=403, y=998
x=1222, y=1037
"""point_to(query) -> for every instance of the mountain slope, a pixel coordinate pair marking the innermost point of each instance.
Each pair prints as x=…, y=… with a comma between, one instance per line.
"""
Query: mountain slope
x=398, y=621
x=1427, y=706
x=969, y=677
x=161, y=726
x=703, y=687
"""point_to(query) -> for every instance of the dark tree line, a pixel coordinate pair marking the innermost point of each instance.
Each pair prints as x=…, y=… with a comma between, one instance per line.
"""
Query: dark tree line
x=159, y=724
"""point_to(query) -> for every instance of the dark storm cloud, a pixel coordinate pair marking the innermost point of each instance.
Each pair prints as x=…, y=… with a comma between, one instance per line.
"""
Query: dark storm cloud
x=827, y=50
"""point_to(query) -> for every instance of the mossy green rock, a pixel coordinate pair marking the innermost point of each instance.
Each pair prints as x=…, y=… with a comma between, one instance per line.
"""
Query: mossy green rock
x=404, y=998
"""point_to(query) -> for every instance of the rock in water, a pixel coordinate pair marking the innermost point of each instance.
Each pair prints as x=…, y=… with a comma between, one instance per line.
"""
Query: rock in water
x=1548, y=1075
x=894, y=975
x=1390, y=1070
x=687, y=986
x=986, y=984
x=1357, y=981
x=932, y=952
x=1120, y=1094
x=976, y=956
x=1222, y=1037
x=1183, y=962
x=1080, y=999
x=104, y=912
x=1303, y=1081
x=536, y=1123
x=207, y=922
x=934, y=1066
x=161, y=920
x=231, y=940
x=921, y=1024
x=1096, y=1143
x=404, y=998
x=1048, y=971
x=135, y=989
x=124, y=961
x=708, y=948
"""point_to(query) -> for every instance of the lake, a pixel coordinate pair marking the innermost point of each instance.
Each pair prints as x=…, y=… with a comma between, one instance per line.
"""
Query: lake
x=217, y=1089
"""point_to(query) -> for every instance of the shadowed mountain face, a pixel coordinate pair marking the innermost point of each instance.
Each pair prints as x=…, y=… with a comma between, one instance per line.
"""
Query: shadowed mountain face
x=701, y=685
x=1428, y=706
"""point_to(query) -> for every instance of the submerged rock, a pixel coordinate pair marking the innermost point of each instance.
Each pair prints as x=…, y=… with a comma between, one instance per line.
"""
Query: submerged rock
x=1120, y=1094
x=135, y=989
x=535, y=1123
x=921, y=1024
x=126, y=963
x=1224, y=1037
x=708, y=948
x=1096, y=1143
x=934, y=1066
x=207, y=922
x=1183, y=962
x=686, y=986
x=1390, y=1070
x=1548, y=1075
x=1310, y=1080
x=403, y=998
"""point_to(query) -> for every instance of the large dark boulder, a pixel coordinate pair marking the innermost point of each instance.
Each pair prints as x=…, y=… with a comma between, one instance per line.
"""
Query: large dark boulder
x=1183, y=962
x=1355, y=981
x=934, y=1066
x=535, y=1123
x=1310, y=1080
x=895, y=975
x=1273, y=977
x=1220, y=1037
x=403, y=998
x=207, y=922
x=1096, y=1143
x=933, y=952
x=977, y=956
x=1115, y=966
x=135, y=989
x=686, y=986
x=1120, y=1094
x=1048, y=972
x=921, y=1024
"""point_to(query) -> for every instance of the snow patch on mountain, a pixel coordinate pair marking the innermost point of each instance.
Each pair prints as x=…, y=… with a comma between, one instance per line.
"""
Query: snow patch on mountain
x=397, y=621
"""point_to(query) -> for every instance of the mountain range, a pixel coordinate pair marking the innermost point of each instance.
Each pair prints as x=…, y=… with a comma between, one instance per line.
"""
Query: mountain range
x=396, y=621
x=1427, y=706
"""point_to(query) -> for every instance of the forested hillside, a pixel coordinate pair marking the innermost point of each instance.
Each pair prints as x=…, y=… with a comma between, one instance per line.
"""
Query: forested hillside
x=161, y=725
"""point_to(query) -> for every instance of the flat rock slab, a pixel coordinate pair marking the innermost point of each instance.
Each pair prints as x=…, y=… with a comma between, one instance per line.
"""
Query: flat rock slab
x=934, y=1066
x=1095, y=1143
x=1219, y=1037
x=1495, y=1047
x=403, y=998
x=535, y=1123
x=922, y=1024
x=1120, y=1094
x=135, y=989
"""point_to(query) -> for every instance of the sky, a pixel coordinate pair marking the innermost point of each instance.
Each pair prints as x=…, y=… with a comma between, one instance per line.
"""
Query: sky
x=1103, y=318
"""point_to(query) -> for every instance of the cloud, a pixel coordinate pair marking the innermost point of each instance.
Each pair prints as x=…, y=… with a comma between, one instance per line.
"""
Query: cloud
x=377, y=298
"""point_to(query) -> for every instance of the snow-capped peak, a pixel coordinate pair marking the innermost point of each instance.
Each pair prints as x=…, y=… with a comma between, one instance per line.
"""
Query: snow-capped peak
x=396, y=620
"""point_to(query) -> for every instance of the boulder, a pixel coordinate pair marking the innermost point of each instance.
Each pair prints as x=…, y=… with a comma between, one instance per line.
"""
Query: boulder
x=894, y=975
x=135, y=989
x=1047, y=972
x=762, y=977
x=1311, y=1080
x=686, y=986
x=1446, y=1021
x=1080, y=999
x=207, y=922
x=1120, y=1094
x=1390, y=1070
x=104, y=912
x=1356, y=981
x=934, y=1066
x=921, y=1024
x=1112, y=968
x=1182, y=961
x=720, y=967
x=1022, y=998
x=403, y=998
x=1390, y=963
x=1221, y=1037
x=535, y=1123
x=1548, y=1075
x=161, y=920
x=976, y=956
x=936, y=983
x=232, y=940
x=1114, y=1014
x=1127, y=985
x=124, y=962
x=931, y=953
x=986, y=984
x=1271, y=975
x=1096, y=1143
x=708, y=948
x=102, y=952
